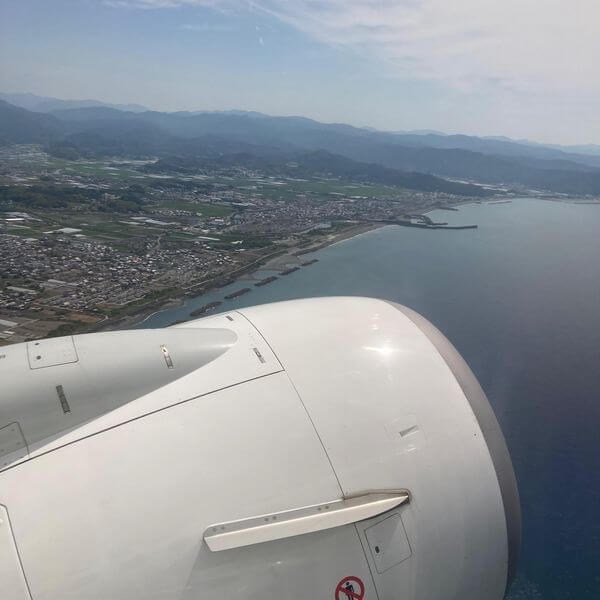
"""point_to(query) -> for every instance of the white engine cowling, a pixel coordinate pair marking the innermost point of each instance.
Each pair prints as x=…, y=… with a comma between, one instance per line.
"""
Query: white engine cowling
x=323, y=448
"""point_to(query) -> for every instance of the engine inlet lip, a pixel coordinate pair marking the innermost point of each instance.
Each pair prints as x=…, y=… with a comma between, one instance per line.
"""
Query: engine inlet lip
x=490, y=429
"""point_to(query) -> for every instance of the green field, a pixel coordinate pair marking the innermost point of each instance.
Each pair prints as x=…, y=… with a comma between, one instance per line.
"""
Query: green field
x=25, y=232
x=205, y=209
x=112, y=230
x=103, y=226
x=319, y=188
x=111, y=173
x=99, y=170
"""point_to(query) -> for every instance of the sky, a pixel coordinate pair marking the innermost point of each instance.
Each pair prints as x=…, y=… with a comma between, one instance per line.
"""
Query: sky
x=521, y=68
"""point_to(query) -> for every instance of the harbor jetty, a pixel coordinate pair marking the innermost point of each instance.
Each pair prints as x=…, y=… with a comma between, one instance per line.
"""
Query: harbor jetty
x=434, y=226
x=424, y=222
x=237, y=293
x=265, y=281
x=205, y=308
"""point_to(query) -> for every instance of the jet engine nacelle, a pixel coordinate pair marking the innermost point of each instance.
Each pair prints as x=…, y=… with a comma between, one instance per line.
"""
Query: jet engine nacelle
x=326, y=448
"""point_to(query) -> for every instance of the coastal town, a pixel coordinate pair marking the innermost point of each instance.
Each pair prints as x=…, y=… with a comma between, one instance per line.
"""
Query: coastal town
x=88, y=245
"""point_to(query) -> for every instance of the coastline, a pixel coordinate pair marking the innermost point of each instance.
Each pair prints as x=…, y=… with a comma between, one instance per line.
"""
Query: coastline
x=288, y=258
x=281, y=260
x=284, y=258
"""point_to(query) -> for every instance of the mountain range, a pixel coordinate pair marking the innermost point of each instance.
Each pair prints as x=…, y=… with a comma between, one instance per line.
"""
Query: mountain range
x=102, y=130
x=47, y=104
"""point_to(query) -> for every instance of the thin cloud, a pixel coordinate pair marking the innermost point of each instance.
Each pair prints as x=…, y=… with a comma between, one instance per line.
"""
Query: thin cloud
x=158, y=4
x=523, y=44
x=513, y=45
x=207, y=27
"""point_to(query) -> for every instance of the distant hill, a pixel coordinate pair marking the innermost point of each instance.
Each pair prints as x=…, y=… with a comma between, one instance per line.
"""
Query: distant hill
x=496, y=146
x=592, y=149
x=20, y=126
x=500, y=145
x=306, y=132
x=317, y=163
x=102, y=131
x=324, y=162
x=92, y=114
x=48, y=104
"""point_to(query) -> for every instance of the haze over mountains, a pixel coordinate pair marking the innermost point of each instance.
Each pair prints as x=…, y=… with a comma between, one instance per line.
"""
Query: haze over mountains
x=47, y=104
x=74, y=129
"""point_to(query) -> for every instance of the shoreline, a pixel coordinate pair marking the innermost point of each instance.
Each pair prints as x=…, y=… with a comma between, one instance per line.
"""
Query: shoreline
x=281, y=260
x=284, y=259
x=291, y=257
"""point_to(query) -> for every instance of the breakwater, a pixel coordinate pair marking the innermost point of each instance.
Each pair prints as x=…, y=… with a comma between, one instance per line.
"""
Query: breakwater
x=265, y=281
x=205, y=308
x=237, y=293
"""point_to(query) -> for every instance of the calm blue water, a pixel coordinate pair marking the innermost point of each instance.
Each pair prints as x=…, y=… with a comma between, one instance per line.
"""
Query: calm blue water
x=520, y=299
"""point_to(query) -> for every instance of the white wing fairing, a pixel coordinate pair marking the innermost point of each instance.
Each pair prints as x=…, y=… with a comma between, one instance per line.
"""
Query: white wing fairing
x=325, y=448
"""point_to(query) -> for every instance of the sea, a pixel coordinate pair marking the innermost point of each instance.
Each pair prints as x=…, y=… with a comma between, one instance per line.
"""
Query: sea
x=519, y=297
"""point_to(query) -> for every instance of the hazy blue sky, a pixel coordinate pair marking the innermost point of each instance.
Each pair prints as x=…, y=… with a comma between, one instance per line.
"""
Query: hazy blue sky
x=523, y=68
